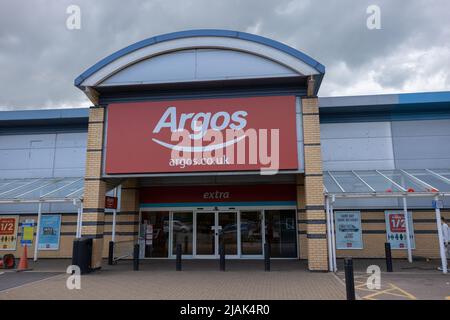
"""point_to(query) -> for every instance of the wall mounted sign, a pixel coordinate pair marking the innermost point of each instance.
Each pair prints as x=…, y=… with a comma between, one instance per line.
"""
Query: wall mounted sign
x=396, y=229
x=231, y=134
x=282, y=194
x=9, y=225
x=110, y=202
x=348, y=230
x=49, y=232
x=27, y=233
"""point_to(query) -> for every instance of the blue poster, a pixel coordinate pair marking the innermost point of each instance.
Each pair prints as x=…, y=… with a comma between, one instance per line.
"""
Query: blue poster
x=49, y=232
x=348, y=230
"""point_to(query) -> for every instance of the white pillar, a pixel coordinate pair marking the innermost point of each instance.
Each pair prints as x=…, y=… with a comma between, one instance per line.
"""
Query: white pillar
x=440, y=237
x=330, y=249
x=333, y=236
x=408, y=233
x=36, y=244
x=79, y=219
x=113, y=232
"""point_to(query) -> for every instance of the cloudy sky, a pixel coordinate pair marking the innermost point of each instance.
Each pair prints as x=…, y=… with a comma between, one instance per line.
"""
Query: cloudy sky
x=40, y=57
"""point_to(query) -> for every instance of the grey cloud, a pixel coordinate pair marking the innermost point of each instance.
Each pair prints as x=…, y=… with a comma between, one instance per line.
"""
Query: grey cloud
x=39, y=57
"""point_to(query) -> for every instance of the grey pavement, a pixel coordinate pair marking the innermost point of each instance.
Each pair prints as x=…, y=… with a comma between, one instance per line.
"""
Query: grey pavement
x=199, y=280
x=244, y=279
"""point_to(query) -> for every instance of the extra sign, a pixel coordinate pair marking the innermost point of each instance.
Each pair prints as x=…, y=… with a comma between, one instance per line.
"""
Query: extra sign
x=232, y=134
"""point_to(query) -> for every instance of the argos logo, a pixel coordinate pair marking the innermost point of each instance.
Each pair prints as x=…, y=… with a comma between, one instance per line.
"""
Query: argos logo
x=198, y=125
x=217, y=121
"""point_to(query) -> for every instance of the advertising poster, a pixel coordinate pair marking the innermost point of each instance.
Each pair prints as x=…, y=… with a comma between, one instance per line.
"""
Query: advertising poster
x=27, y=233
x=348, y=230
x=9, y=225
x=49, y=232
x=396, y=229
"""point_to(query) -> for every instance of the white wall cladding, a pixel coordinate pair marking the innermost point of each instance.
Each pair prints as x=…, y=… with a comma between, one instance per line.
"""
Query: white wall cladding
x=42, y=155
x=421, y=144
x=357, y=146
x=386, y=145
x=199, y=65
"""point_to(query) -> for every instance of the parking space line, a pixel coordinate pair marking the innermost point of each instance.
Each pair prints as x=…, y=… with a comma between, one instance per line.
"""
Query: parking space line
x=412, y=297
x=391, y=289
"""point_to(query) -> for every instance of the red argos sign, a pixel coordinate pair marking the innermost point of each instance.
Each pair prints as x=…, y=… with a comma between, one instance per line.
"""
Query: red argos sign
x=232, y=134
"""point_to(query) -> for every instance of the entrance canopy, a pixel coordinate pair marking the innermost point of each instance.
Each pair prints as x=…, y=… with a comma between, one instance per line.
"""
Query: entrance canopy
x=387, y=183
x=400, y=184
x=41, y=190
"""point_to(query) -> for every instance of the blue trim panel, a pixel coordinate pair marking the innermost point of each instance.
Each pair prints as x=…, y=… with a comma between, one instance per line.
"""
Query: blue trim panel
x=424, y=97
x=380, y=117
x=200, y=33
x=218, y=204
x=46, y=114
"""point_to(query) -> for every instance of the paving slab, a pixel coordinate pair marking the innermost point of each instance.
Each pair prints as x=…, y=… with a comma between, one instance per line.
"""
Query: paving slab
x=199, y=280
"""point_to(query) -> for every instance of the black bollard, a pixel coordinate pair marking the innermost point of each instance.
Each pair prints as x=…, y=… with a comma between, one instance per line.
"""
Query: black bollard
x=111, y=253
x=387, y=249
x=178, y=258
x=266, y=257
x=136, y=257
x=222, y=256
x=349, y=279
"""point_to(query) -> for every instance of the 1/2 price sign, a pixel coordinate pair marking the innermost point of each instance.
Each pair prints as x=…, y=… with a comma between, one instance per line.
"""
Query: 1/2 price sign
x=8, y=232
x=396, y=229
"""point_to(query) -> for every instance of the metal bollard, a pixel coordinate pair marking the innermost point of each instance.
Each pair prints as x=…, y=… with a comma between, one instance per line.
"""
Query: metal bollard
x=387, y=249
x=266, y=257
x=178, y=258
x=136, y=257
x=222, y=256
x=349, y=279
x=111, y=253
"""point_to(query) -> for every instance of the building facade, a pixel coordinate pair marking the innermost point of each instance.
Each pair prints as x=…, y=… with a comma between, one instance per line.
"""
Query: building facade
x=211, y=137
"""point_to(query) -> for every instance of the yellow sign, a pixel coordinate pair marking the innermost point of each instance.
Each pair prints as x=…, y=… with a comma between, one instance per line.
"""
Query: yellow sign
x=8, y=232
x=27, y=232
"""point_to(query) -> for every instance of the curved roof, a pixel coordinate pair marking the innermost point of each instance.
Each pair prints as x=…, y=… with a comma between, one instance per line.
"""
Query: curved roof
x=280, y=47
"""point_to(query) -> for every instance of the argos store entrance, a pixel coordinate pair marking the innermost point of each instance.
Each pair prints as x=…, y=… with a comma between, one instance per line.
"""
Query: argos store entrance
x=242, y=227
x=199, y=233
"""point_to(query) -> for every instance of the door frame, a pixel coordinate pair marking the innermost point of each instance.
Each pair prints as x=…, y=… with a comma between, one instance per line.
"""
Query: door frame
x=217, y=236
x=236, y=209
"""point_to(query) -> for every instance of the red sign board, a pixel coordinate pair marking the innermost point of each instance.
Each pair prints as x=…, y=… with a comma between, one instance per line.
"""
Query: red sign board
x=209, y=194
x=110, y=202
x=397, y=222
x=232, y=134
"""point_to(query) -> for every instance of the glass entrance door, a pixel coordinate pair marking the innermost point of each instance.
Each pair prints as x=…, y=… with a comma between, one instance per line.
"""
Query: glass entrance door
x=205, y=242
x=251, y=234
x=213, y=228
